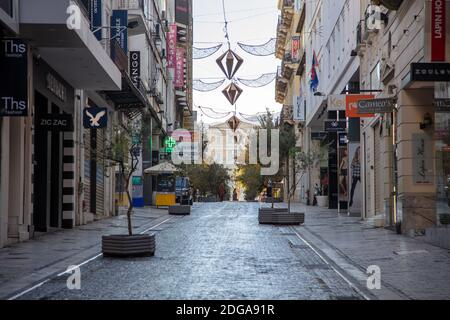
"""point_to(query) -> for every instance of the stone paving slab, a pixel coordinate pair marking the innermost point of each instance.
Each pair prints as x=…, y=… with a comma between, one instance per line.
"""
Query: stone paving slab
x=410, y=268
x=24, y=264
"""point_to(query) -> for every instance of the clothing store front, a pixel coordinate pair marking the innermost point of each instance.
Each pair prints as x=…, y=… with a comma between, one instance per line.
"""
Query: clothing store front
x=53, y=150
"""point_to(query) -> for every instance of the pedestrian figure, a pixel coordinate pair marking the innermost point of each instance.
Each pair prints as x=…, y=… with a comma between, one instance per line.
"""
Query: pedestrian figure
x=235, y=195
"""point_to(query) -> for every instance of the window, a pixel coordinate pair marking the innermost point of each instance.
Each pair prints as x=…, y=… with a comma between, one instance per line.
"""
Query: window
x=375, y=77
x=7, y=6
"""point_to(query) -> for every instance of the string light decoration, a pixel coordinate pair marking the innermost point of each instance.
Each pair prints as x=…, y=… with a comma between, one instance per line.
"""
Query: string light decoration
x=262, y=50
x=202, y=53
x=229, y=63
x=199, y=85
x=259, y=82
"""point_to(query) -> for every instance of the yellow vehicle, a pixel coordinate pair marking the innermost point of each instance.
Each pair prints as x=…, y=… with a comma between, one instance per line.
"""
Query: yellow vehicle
x=165, y=183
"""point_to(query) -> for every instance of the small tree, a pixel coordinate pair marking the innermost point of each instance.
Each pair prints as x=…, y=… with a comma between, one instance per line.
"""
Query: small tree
x=124, y=149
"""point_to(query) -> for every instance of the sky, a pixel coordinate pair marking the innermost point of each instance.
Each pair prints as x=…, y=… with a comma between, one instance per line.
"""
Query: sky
x=251, y=22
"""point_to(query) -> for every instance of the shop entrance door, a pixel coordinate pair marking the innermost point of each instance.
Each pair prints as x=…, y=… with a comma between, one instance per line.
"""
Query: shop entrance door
x=47, y=187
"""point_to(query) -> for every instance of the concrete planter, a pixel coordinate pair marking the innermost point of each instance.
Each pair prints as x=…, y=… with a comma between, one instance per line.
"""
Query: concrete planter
x=322, y=201
x=444, y=218
x=128, y=246
x=182, y=210
x=280, y=217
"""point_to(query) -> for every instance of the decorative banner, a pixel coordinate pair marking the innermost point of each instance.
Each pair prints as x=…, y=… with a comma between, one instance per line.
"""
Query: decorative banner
x=299, y=109
x=201, y=53
x=95, y=118
x=135, y=68
x=335, y=126
x=265, y=49
x=179, y=67
x=232, y=62
x=55, y=122
x=119, y=30
x=438, y=30
x=375, y=106
x=295, y=51
x=262, y=81
x=355, y=194
x=352, y=105
x=95, y=8
x=422, y=158
x=14, y=78
x=172, y=46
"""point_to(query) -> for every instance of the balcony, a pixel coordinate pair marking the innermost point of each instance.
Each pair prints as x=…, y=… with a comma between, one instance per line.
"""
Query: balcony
x=75, y=54
x=287, y=13
x=280, y=86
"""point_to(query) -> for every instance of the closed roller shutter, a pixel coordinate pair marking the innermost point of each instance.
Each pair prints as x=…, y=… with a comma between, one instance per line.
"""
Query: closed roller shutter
x=100, y=192
x=87, y=170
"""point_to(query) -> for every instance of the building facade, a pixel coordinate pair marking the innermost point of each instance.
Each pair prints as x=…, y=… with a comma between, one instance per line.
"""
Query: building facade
x=72, y=72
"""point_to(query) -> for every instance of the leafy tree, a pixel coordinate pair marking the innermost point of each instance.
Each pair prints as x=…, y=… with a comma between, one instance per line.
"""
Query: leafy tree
x=124, y=148
x=250, y=177
x=207, y=178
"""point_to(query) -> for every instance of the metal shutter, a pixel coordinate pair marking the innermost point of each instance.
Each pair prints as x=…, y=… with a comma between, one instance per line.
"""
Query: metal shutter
x=87, y=170
x=378, y=171
x=100, y=178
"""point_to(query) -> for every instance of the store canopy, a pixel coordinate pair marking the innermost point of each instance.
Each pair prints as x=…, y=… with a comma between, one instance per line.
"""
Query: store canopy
x=162, y=168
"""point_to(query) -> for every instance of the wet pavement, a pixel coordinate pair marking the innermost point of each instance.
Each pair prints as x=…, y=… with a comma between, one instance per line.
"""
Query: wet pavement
x=218, y=252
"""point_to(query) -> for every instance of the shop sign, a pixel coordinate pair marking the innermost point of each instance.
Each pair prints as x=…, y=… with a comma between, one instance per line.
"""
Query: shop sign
x=438, y=30
x=442, y=105
x=119, y=30
x=335, y=126
x=95, y=8
x=172, y=46
x=14, y=78
x=376, y=106
x=430, y=72
x=182, y=11
x=336, y=102
x=351, y=102
x=299, y=109
x=135, y=68
x=55, y=122
x=95, y=118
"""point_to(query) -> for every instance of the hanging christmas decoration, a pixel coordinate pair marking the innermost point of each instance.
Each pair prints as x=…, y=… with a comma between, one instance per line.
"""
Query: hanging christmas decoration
x=261, y=81
x=210, y=113
x=232, y=92
x=199, y=85
x=265, y=49
x=201, y=53
x=234, y=123
x=229, y=63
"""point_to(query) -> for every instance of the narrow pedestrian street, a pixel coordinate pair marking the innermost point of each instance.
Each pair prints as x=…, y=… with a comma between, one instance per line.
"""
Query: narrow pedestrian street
x=221, y=252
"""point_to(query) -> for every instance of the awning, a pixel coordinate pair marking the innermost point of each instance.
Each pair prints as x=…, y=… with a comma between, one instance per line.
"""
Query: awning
x=162, y=168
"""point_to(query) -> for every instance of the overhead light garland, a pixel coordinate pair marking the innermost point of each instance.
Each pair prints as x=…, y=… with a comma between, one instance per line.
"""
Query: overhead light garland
x=261, y=81
x=202, y=86
x=262, y=50
x=201, y=53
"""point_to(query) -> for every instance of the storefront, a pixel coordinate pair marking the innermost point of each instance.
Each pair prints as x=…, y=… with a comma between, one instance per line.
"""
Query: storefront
x=53, y=194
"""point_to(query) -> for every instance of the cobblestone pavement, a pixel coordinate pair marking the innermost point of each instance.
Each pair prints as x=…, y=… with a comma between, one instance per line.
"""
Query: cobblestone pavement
x=25, y=264
x=410, y=268
x=219, y=252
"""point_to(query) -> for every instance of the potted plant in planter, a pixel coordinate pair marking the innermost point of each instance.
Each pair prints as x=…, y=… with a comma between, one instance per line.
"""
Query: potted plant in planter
x=123, y=149
x=322, y=199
